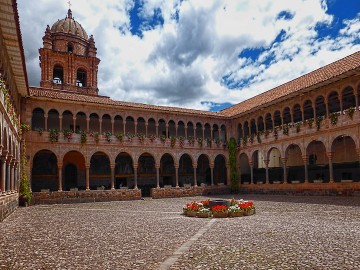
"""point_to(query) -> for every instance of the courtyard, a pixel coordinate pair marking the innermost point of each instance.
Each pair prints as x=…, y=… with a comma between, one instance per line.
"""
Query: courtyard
x=287, y=232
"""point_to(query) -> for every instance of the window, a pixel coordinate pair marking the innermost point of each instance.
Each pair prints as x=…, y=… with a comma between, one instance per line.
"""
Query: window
x=58, y=74
x=70, y=48
x=81, y=78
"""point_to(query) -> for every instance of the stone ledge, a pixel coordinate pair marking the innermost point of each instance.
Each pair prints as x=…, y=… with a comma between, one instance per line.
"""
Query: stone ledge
x=8, y=204
x=175, y=192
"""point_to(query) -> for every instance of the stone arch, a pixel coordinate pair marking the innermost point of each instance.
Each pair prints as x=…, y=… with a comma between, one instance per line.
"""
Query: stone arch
x=181, y=129
x=207, y=131
x=345, y=159
x=320, y=107
x=268, y=122
x=118, y=124
x=124, y=170
x=275, y=166
x=277, y=118
x=294, y=163
x=162, y=127
x=333, y=102
x=81, y=77
x=67, y=120
x=130, y=125
x=141, y=126
x=308, y=109
x=106, y=125
x=190, y=129
x=253, y=127
x=257, y=159
x=151, y=130
x=348, y=98
x=38, y=119
x=199, y=130
x=203, y=169
x=246, y=129
x=58, y=73
x=100, y=172
x=81, y=122
x=44, y=173
x=286, y=115
x=260, y=124
x=146, y=172
x=240, y=132
x=297, y=113
x=318, y=168
x=220, y=170
x=167, y=169
x=186, y=170
x=245, y=173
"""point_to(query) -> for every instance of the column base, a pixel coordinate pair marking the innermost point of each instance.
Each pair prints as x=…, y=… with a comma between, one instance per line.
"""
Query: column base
x=88, y=189
x=60, y=190
x=112, y=188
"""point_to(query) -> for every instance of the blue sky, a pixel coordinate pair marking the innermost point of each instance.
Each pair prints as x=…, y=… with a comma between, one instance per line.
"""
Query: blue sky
x=200, y=54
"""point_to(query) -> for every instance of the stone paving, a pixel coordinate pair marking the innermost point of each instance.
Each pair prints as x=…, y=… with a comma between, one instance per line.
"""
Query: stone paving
x=286, y=233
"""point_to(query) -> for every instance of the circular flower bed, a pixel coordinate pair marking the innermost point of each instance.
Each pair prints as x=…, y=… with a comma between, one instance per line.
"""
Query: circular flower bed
x=219, y=208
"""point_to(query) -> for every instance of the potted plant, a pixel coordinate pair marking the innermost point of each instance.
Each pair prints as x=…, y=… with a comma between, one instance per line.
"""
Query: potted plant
x=298, y=127
x=130, y=136
x=120, y=137
x=53, y=135
x=191, y=140
x=350, y=112
x=172, y=141
x=181, y=141
x=247, y=207
x=191, y=208
x=108, y=136
x=40, y=131
x=333, y=118
x=200, y=141
x=310, y=122
x=203, y=213
x=208, y=142
x=152, y=137
x=67, y=134
x=286, y=129
x=235, y=211
x=163, y=139
x=83, y=137
x=141, y=137
x=318, y=122
x=219, y=211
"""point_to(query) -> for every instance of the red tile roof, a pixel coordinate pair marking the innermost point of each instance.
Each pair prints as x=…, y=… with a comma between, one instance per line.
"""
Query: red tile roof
x=313, y=78
x=102, y=100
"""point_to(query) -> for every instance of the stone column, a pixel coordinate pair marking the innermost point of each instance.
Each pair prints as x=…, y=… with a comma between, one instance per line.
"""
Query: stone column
x=203, y=132
x=211, y=133
x=212, y=174
x=157, y=129
x=157, y=167
x=3, y=174
x=112, y=126
x=8, y=173
x=74, y=124
x=176, y=130
x=228, y=174
x=17, y=176
x=327, y=107
x=87, y=173
x=87, y=124
x=195, y=180
x=284, y=160
x=266, y=161
x=60, y=122
x=331, y=171
x=136, y=126
x=167, y=131
x=251, y=164
x=176, y=175
x=135, y=166
x=100, y=126
x=146, y=129
x=112, y=168
x=305, y=160
x=124, y=127
x=60, y=176
x=46, y=122
x=186, y=132
x=12, y=173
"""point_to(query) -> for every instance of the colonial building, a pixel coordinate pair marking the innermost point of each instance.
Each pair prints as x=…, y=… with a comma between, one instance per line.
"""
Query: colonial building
x=302, y=136
x=14, y=85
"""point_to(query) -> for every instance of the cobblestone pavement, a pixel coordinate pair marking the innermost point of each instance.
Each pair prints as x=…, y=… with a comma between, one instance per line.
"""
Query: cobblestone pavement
x=286, y=233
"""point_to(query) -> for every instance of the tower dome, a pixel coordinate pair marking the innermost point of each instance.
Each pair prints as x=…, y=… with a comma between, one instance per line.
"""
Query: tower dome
x=70, y=26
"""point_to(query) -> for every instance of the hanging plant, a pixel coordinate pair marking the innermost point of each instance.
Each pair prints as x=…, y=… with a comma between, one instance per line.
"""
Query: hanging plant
x=141, y=137
x=318, y=122
x=208, y=142
x=276, y=133
x=234, y=183
x=267, y=132
x=67, y=134
x=200, y=141
x=350, y=112
x=108, y=136
x=333, y=118
x=298, y=127
x=258, y=137
x=191, y=140
x=83, y=137
x=163, y=139
x=310, y=122
x=152, y=137
x=120, y=137
x=244, y=140
x=217, y=142
x=24, y=188
x=130, y=136
x=53, y=135
x=172, y=141
x=181, y=141
x=40, y=131
x=286, y=129
x=251, y=140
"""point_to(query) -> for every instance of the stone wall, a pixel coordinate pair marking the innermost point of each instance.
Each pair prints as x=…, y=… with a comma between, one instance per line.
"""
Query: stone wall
x=320, y=189
x=158, y=193
x=85, y=196
x=8, y=204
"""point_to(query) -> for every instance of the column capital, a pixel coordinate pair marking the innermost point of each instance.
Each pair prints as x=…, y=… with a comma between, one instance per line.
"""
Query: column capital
x=212, y=165
x=87, y=166
x=194, y=165
x=60, y=165
x=330, y=155
x=284, y=160
x=135, y=166
x=251, y=163
x=266, y=161
x=112, y=166
x=176, y=166
x=157, y=166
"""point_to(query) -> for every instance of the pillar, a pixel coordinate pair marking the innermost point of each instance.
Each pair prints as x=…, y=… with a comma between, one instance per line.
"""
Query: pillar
x=135, y=176
x=112, y=168
x=284, y=160
x=203, y=132
x=146, y=129
x=167, y=131
x=211, y=133
x=195, y=180
x=46, y=122
x=157, y=167
x=100, y=126
x=87, y=173
x=135, y=126
x=212, y=174
x=186, y=132
x=157, y=129
x=330, y=156
x=17, y=176
x=87, y=124
x=251, y=164
x=112, y=126
x=124, y=127
x=3, y=173
x=176, y=175
x=12, y=173
x=60, y=177
x=266, y=161
x=8, y=173
x=305, y=159
x=60, y=122
x=74, y=124
x=176, y=130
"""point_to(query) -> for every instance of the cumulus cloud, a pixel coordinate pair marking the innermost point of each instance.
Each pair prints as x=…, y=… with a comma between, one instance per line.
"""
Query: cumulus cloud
x=195, y=55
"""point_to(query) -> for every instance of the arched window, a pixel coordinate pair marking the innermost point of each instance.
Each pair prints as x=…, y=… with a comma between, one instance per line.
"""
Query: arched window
x=70, y=48
x=58, y=74
x=81, y=78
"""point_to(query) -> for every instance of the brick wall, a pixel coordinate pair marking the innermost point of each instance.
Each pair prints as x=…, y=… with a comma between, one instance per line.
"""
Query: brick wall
x=85, y=196
x=157, y=193
x=8, y=204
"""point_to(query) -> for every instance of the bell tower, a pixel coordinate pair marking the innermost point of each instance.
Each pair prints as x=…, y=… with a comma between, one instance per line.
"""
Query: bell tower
x=68, y=58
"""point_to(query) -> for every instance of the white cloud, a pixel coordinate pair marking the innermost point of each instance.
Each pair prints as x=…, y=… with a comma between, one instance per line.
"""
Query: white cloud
x=182, y=63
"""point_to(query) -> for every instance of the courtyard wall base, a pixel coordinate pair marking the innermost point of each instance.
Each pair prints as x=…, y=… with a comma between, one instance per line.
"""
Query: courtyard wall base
x=312, y=189
x=64, y=197
x=174, y=192
x=8, y=204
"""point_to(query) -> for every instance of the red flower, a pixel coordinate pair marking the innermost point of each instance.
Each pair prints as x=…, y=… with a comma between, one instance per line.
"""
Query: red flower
x=205, y=202
x=219, y=208
x=246, y=205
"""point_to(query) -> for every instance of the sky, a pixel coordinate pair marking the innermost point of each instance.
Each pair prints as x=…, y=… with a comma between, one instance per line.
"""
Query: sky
x=199, y=54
